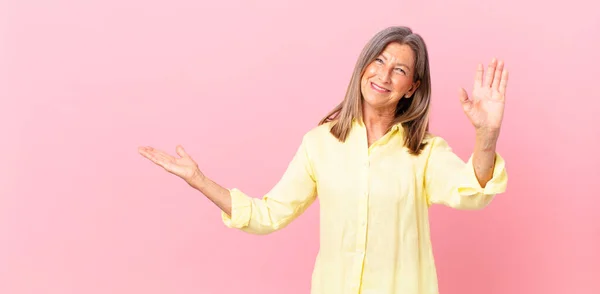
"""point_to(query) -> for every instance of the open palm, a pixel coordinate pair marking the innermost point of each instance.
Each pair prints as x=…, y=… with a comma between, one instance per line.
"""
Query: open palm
x=183, y=166
x=485, y=109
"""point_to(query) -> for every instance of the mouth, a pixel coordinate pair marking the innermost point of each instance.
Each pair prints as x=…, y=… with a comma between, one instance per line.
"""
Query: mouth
x=378, y=88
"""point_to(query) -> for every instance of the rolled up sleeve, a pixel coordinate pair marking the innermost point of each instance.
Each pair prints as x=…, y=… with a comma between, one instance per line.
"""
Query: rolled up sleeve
x=288, y=199
x=452, y=182
x=241, y=210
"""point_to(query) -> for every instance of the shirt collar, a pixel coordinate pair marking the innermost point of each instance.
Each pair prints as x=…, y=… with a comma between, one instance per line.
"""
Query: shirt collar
x=396, y=129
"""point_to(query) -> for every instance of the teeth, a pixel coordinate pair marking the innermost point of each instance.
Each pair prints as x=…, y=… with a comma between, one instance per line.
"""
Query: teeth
x=379, y=88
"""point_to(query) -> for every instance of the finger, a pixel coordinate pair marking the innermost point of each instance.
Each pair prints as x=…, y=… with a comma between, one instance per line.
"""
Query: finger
x=478, y=76
x=157, y=156
x=503, y=82
x=490, y=73
x=462, y=95
x=181, y=152
x=498, y=75
x=464, y=99
x=161, y=155
x=144, y=150
x=151, y=156
x=164, y=158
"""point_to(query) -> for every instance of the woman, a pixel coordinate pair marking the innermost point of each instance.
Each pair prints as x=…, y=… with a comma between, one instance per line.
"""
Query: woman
x=376, y=169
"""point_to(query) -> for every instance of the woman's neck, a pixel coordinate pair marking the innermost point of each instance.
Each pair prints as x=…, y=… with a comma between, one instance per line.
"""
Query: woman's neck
x=377, y=122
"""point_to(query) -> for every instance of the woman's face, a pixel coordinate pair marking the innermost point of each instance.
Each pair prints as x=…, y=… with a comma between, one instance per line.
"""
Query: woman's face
x=389, y=77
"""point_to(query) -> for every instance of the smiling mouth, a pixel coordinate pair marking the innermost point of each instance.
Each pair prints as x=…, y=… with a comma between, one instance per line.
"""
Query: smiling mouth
x=378, y=88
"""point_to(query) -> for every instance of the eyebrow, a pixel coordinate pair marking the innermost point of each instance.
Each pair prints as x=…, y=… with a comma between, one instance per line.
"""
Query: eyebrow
x=397, y=63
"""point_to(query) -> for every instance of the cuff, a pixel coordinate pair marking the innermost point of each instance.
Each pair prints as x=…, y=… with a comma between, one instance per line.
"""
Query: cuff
x=496, y=185
x=241, y=208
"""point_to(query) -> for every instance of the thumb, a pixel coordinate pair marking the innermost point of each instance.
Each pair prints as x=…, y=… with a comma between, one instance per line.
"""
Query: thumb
x=181, y=152
x=464, y=99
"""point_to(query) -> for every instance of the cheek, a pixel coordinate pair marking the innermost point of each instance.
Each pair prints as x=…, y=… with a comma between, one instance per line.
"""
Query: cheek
x=363, y=83
x=365, y=77
x=373, y=71
x=370, y=72
x=402, y=84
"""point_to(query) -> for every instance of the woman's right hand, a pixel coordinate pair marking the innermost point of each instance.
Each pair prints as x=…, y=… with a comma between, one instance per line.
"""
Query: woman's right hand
x=183, y=166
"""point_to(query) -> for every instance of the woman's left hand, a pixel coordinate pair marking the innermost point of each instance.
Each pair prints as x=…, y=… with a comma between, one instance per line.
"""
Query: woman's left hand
x=485, y=108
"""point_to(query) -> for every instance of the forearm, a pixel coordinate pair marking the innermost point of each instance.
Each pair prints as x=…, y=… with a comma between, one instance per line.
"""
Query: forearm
x=213, y=191
x=484, y=155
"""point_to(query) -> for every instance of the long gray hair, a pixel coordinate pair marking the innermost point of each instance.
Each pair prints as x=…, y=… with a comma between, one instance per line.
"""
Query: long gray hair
x=412, y=112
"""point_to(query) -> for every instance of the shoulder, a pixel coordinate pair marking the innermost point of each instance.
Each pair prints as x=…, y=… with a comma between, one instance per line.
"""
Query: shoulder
x=318, y=140
x=434, y=143
x=433, y=139
x=320, y=133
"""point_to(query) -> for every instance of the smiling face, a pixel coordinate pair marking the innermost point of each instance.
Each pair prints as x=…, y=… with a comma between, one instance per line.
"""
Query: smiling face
x=389, y=77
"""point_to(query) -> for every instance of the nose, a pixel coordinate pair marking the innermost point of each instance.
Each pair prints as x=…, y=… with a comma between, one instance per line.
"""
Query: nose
x=384, y=74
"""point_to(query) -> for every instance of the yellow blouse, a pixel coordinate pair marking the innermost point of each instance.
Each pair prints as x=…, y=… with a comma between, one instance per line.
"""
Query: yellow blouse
x=374, y=227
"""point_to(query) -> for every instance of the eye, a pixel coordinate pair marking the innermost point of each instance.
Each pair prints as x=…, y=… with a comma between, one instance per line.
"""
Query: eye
x=379, y=60
x=400, y=70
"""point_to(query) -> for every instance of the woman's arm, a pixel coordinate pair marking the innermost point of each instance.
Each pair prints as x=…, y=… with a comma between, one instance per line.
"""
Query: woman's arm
x=484, y=156
x=448, y=179
x=452, y=182
x=213, y=191
x=289, y=198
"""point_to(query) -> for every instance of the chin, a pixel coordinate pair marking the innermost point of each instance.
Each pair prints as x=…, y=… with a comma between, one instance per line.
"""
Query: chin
x=375, y=102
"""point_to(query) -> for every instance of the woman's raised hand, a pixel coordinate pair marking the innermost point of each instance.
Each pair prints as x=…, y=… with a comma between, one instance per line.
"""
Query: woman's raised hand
x=485, y=107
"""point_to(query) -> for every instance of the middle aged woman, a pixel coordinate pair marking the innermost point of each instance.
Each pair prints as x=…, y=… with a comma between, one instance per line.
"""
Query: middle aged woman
x=376, y=169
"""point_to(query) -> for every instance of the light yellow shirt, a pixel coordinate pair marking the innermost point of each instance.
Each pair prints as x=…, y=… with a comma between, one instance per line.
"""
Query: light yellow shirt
x=374, y=227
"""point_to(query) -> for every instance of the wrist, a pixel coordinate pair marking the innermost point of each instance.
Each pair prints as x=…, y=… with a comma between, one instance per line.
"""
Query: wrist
x=486, y=139
x=487, y=132
x=197, y=180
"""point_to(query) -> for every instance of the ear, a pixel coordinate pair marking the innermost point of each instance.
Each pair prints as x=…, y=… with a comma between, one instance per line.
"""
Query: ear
x=412, y=89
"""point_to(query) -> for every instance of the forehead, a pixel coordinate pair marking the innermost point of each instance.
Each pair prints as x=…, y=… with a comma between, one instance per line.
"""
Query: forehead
x=401, y=53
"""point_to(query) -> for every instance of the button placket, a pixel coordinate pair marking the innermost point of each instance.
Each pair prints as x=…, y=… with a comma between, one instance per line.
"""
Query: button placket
x=361, y=230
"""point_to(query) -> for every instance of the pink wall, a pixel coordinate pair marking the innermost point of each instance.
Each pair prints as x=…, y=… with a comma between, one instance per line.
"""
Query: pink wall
x=83, y=83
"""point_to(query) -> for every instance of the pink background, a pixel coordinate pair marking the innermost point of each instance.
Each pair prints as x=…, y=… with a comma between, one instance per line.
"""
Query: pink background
x=83, y=83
